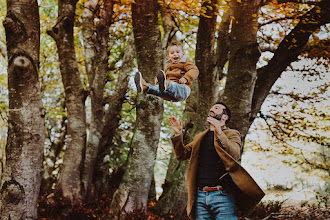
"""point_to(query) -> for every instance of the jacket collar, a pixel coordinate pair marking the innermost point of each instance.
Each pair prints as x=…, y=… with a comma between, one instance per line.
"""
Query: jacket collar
x=182, y=60
x=223, y=127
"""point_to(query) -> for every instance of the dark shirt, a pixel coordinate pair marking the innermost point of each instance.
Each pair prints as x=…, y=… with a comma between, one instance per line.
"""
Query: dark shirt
x=210, y=166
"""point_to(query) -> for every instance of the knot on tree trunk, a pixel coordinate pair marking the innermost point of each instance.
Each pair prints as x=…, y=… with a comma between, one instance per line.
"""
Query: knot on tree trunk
x=12, y=192
x=22, y=61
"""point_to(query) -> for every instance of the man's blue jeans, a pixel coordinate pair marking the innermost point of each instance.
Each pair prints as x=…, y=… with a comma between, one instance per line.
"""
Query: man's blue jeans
x=215, y=205
x=174, y=92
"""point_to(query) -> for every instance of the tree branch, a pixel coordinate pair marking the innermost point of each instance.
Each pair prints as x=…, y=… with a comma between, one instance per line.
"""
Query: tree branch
x=309, y=2
x=280, y=19
x=275, y=135
x=297, y=97
x=288, y=51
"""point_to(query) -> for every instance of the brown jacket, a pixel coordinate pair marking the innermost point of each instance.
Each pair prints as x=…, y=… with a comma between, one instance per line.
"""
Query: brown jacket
x=183, y=68
x=228, y=146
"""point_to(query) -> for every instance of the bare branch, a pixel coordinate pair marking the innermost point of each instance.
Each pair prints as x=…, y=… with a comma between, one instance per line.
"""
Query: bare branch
x=278, y=137
x=298, y=97
x=280, y=19
x=309, y=2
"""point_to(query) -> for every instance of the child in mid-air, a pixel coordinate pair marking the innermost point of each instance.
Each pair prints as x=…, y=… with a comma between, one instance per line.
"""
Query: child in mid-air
x=174, y=82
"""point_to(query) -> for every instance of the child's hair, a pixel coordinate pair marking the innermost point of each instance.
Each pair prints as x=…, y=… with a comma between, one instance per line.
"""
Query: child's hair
x=175, y=43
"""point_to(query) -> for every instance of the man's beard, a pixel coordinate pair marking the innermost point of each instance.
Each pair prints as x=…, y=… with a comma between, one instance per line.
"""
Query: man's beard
x=217, y=116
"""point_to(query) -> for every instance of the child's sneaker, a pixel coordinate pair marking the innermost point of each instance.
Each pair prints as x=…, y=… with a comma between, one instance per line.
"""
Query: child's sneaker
x=161, y=77
x=140, y=83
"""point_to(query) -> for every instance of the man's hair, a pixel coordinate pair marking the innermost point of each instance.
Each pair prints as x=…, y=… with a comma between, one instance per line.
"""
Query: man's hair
x=175, y=43
x=226, y=111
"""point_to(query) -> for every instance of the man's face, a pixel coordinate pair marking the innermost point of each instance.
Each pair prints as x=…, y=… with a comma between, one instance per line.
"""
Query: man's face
x=216, y=111
x=175, y=53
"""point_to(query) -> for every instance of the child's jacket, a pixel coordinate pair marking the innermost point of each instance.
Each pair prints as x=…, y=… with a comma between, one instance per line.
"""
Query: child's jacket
x=183, y=68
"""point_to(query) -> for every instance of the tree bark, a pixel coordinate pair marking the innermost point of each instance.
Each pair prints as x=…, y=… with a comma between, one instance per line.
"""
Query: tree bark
x=223, y=42
x=70, y=183
x=244, y=54
x=288, y=52
x=205, y=52
x=111, y=120
x=20, y=182
x=132, y=193
x=96, y=37
x=169, y=30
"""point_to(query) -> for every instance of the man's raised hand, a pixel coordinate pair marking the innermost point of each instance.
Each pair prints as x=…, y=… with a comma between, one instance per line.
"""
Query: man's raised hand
x=175, y=124
x=216, y=124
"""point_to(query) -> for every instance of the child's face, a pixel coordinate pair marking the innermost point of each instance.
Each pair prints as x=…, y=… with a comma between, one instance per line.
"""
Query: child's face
x=175, y=53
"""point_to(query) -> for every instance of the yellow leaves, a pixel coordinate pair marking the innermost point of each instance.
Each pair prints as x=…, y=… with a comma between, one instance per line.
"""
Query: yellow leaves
x=127, y=1
x=254, y=15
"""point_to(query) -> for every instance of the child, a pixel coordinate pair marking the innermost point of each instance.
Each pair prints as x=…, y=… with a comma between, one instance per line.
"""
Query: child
x=174, y=83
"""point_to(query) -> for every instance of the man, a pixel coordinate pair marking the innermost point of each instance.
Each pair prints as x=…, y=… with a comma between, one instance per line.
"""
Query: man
x=214, y=177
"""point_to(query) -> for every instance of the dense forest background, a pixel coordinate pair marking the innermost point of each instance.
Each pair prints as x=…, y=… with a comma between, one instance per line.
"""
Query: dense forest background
x=77, y=141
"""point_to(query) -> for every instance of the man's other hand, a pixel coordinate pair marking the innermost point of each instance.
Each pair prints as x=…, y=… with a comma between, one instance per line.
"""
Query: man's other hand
x=175, y=124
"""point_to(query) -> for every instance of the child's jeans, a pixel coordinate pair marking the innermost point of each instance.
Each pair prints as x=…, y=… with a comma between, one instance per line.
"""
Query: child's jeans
x=175, y=92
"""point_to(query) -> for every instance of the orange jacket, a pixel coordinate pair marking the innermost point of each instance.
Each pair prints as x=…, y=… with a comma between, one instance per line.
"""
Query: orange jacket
x=183, y=68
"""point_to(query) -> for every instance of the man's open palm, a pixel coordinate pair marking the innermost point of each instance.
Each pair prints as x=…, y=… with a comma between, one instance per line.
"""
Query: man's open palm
x=175, y=124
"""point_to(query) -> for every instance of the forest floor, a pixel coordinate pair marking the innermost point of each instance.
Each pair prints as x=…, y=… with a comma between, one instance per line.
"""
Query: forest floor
x=53, y=209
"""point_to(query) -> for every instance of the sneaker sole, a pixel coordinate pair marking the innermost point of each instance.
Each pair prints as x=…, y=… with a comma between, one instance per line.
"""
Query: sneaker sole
x=138, y=82
x=161, y=80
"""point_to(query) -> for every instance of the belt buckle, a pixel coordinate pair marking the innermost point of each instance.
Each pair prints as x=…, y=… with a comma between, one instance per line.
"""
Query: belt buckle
x=204, y=188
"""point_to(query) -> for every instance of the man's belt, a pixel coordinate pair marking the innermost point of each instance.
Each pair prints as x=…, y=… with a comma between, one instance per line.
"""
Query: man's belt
x=210, y=188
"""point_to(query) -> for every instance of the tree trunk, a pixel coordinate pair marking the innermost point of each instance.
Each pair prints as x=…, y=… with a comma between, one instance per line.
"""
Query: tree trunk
x=207, y=77
x=70, y=183
x=169, y=30
x=132, y=193
x=20, y=182
x=96, y=37
x=111, y=120
x=244, y=54
x=223, y=42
